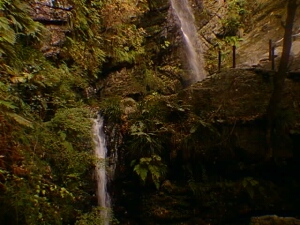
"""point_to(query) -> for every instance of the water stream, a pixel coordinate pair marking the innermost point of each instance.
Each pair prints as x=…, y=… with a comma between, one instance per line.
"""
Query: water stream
x=194, y=58
x=103, y=197
x=49, y=3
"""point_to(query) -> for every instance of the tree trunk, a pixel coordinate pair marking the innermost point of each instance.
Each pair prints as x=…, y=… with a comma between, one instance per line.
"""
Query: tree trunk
x=280, y=76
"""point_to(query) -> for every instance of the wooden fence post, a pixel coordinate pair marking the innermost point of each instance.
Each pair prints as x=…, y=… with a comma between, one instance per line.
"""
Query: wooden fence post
x=270, y=49
x=219, y=60
x=273, y=57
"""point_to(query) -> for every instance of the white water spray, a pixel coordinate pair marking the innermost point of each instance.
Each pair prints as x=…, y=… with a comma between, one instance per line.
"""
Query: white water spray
x=183, y=12
x=46, y=2
x=101, y=177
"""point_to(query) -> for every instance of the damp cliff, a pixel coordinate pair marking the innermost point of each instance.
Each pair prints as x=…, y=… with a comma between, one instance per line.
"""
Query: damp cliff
x=56, y=17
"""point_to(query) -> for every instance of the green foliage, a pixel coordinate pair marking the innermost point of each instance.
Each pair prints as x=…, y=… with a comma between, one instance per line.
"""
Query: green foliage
x=218, y=196
x=202, y=136
x=14, y=22
x=240, y=14
x=19, y=119
x=45, y=140
x=250, y=185
x=151, y=167
x=46, y=167
x=234, y=19
x=27, y=200
x=147, y=139
x=44, y=86
x=72, y=155
x=231, y=25
x=87, y=54
x=75, y=122
x=143, y=142
x=152, y=112
x=232, y=40
x=284, y=120
x=247, y=185
x=123, y=40
x=8, y=106
x=85, y=45
x=45, y=175
x=95, y=217
x=165, y=45
x=152, y=81
x=110, y=108
x=127, y=45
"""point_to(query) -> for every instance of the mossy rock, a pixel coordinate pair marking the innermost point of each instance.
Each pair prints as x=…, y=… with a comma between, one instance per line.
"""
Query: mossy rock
x=274, y=220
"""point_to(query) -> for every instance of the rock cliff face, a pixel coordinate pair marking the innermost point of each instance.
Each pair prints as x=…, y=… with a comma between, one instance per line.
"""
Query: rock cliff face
x=56, y=16
x=268, y=25
x=222, y=176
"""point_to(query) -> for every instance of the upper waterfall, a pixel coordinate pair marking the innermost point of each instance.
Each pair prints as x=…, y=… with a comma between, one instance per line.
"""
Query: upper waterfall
x=194, y=58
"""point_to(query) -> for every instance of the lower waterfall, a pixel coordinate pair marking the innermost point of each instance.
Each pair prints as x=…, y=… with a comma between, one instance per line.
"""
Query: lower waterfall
x=103, y=197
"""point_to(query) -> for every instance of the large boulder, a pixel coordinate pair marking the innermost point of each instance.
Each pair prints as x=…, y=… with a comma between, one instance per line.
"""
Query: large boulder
x=274, y=220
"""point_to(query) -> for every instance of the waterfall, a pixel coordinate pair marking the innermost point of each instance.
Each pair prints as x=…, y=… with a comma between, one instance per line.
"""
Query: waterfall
x=101, y=177
x=46, y=2
x=183, y=12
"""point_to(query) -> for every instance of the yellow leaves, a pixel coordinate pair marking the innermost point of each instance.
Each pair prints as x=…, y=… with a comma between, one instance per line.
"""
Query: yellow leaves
x=19, y=170
x=21, y=79
x=15, y=76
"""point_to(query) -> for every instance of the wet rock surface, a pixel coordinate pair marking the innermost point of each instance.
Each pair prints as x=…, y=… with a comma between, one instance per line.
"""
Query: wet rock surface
x=55, y=15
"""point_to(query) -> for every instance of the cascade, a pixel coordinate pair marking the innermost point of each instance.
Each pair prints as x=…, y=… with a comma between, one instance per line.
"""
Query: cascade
x=103, y=197
x=183, y=12
x=46, y=2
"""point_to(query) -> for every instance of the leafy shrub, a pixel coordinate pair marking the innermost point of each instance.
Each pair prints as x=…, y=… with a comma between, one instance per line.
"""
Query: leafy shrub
x=110, y=108
x=94, y=217
x=144, y=143
x=150, y=167
x=231, y=25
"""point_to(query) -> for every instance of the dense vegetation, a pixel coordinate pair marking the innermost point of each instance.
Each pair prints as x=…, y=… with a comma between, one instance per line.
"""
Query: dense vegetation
x=46, y=160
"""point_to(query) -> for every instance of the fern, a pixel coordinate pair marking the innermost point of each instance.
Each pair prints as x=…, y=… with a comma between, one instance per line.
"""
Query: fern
x=8, y=105
x=150, y=166
x=7, y=34
x=141, y=171
x=21, y=120
x=15, y=21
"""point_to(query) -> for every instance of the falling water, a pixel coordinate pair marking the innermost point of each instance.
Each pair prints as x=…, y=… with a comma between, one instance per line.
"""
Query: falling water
x=101, y=176
x=183, y=12
x=48, y=3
